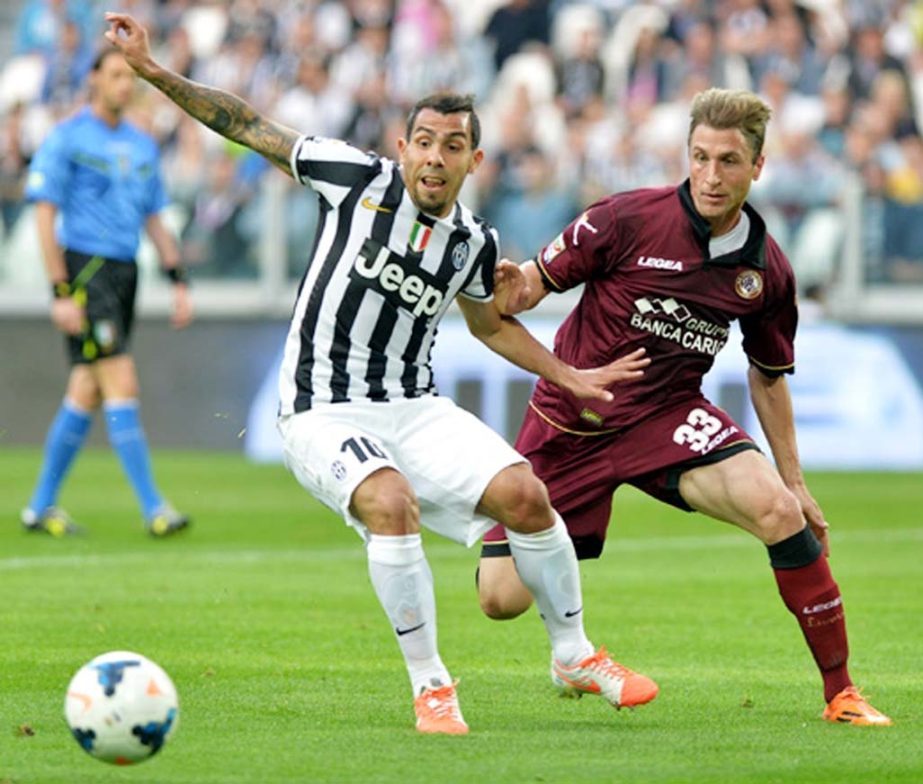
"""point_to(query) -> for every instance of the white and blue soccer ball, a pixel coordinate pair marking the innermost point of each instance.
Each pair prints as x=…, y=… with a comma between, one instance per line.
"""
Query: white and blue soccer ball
x=121, y=707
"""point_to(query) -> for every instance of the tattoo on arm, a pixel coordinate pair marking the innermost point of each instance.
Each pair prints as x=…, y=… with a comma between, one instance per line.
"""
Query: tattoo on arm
x=230, y=116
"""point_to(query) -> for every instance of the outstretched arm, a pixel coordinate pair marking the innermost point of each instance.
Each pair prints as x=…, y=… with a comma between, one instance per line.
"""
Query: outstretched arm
x=510, y=339
x=772, y=402
x=221, y=111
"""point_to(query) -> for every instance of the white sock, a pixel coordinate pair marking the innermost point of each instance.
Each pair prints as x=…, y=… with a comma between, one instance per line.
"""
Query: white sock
x=547, y=565
x=404, y=584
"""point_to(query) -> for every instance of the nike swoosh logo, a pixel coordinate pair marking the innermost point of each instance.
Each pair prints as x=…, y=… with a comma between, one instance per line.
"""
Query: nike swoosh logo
x=572, y=613
x=370, y=205
x=402, y=632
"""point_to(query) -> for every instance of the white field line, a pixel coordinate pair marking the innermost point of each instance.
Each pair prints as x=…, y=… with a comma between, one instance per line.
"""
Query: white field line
x=732, y=541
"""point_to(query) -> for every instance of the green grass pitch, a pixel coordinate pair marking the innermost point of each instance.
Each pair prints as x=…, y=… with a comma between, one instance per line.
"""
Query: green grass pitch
x=287, y=672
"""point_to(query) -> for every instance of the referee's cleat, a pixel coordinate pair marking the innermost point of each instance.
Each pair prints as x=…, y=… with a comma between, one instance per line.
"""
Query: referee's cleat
x=598, y=674
x=54, y=521
x=166, y=521
x=850, y=707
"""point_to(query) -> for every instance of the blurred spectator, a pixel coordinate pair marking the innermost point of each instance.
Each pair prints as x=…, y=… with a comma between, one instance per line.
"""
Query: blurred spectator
x=580, y=71
x=428, y=55
x=903, y=214
x=67, y=67
x=213, y=244
x=314, y=105
x=244, y=67
x=176, y=52
x=298, y=37
x=793, y=112
x=248, y=18
x=686, y=14
x=14, y=164
x=516, y=23
x=647, y=79
x=362, y=60
x=366, y=127
x=798, y=194
x=41, y=21
x=701, y=55
x=836, y=109
x=626, y=164
x=184, y=164
x=890, y=95
x=791, y=55
x=529, y=209
x=745, y=31
x=868, y=58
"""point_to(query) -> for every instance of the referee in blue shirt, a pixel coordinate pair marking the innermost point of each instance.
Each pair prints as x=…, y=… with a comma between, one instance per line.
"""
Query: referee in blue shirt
x=96, y=183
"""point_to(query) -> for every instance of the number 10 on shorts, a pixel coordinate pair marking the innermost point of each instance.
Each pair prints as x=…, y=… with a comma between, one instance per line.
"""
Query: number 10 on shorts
x=363, y=448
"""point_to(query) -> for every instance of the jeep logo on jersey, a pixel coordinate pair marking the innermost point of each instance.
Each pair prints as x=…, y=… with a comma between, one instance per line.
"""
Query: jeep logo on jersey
x=398, y=280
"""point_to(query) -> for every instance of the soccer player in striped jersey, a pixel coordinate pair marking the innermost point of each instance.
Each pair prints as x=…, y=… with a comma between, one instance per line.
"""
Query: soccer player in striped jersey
x=362, y=426
x=669, y=269
x=100, y=175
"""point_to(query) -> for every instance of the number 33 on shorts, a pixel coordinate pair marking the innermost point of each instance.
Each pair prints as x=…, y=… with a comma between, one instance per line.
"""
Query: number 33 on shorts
x=698, y=430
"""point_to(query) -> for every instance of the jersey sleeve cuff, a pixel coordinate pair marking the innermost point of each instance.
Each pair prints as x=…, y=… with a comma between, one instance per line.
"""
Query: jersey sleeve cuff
x=293, y=161
x=549, y=282
x=772, y=371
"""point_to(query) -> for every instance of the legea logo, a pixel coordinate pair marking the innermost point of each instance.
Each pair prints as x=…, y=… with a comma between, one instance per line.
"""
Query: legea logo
x=415, y=290
x=657, y=263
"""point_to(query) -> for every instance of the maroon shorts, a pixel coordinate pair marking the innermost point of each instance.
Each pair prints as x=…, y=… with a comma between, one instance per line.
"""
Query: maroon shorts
x=583, y=471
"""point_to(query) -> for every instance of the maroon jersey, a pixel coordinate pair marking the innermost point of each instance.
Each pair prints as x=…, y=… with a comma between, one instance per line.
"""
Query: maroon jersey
x=651, y=283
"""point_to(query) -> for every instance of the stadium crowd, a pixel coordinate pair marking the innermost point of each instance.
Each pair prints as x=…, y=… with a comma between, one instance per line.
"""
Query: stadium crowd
x=577, y=100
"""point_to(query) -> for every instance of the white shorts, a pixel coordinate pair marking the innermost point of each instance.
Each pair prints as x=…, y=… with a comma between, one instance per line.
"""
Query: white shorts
x=448, y=455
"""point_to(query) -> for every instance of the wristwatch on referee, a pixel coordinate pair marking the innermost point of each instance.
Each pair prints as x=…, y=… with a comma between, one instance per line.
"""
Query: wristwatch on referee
x=177, y=274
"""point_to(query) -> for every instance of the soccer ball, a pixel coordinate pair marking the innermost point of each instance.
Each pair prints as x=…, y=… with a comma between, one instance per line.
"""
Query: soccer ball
x=121, y=707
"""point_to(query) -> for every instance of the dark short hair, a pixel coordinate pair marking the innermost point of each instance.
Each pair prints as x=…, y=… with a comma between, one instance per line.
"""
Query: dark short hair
x=101, y=56
x=448, y=103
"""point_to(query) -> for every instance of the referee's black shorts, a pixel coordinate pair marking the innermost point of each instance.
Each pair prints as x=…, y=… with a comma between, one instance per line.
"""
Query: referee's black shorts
x=107, y=288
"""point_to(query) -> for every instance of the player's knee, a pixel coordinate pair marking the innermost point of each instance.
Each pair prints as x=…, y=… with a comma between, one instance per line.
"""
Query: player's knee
x=500, y=608
x=501, y=594
x=82, y=389
x=394, y=514
x=386, y=504
x=523, y=504
x=780, y=517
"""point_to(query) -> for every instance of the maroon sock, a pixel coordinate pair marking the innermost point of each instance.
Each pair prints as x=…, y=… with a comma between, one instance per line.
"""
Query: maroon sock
x=811, y=594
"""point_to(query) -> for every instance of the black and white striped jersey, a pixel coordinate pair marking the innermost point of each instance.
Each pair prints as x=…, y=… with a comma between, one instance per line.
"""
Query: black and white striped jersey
x=380, y=277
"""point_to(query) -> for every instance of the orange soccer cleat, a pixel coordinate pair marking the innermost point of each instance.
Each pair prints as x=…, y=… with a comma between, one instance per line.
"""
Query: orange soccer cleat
x=849, y=707
x=598, y=674
x=438, y=712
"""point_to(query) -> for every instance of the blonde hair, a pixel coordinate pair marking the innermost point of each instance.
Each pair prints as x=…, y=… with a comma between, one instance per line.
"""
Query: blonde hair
x=740, y=109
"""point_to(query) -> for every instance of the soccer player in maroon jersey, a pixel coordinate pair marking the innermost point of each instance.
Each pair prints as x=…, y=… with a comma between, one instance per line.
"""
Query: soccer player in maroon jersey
x=668, y=270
